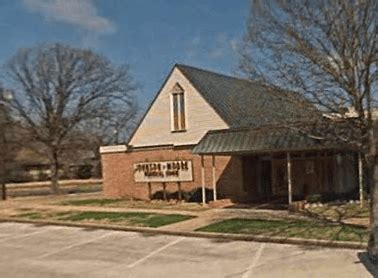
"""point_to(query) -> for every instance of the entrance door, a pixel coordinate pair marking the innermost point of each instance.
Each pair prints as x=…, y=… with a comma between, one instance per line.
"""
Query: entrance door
x=266, y=178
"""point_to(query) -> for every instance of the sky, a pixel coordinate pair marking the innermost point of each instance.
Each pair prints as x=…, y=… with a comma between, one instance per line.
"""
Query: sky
x=148, y=35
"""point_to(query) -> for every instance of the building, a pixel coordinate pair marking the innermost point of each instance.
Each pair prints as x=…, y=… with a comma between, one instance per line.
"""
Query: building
x=29, y=165
x=226, y=136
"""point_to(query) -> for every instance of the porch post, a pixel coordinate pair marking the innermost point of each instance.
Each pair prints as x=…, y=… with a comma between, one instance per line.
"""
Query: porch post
x=149, y=191
x=360, y=180
x=289, y=181
x=203, y=180
x=164, y=191
x=179, y=191
x=214, y=180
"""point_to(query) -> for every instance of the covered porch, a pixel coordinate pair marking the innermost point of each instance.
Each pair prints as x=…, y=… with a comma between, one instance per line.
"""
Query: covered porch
x=283, y=164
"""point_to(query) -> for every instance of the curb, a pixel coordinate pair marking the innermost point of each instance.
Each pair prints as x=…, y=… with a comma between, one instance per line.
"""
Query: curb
x=222, y=236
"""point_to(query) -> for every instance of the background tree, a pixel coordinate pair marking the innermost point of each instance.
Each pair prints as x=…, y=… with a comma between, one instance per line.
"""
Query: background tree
x=58, y=87
x=112, y=128
x=7, y=143
x=325, y=50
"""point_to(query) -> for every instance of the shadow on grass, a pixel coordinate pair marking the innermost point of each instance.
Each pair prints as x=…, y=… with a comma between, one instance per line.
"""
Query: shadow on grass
x=289, y=228
x=336, y=213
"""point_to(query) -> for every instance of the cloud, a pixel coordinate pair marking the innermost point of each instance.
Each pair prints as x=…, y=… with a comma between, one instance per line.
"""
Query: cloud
x=192, y=48
x=196, y=41
x=224, y=45
x=79, y=13
x=212, y=48
x=235, y=44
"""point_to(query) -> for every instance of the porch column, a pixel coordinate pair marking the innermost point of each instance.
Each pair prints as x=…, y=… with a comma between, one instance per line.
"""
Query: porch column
x=149, y=191
x=179, y=191
x=289, y=181
x=203, y=180
x=360, y=180
x=214, y=180
x=164, y=191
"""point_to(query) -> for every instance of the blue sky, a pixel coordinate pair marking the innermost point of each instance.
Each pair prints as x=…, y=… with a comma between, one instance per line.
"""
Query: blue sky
x=149, y=35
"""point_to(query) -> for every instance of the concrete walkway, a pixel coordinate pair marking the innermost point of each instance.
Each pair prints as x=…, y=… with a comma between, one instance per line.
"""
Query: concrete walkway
x=203, y=219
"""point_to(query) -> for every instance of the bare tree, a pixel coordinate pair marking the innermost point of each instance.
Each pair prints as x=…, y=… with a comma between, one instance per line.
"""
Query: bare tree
x=7, y=143
x=112, y=128
x=325, y=50
x=58, y=87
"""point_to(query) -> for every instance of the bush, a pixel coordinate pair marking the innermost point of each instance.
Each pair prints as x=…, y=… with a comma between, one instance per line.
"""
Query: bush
x=315, y=198
x=193, y=196
x=20, y=176
x=196, y=195
x=84, y=171
x=42, y=176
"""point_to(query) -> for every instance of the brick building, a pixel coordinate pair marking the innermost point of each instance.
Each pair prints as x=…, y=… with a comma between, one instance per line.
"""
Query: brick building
x=226, y=135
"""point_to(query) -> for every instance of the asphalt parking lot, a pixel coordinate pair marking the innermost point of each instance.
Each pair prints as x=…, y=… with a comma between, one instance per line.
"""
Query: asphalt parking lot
x=52, y=251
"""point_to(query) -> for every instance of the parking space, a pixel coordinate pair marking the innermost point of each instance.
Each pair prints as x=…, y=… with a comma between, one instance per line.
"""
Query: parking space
x=52, y=251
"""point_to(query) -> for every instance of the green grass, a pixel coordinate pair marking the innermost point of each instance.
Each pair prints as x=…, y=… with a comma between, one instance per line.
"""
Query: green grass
x=132, y=218
x=91, y=202
x=290, y=228
x=124, y=203
x=152, y=220
x=31, y=215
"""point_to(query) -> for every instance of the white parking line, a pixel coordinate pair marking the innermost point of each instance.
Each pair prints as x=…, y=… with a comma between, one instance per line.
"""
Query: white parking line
x=254, y=262
x=23, y=235
x=75, y=245
x=154, y=253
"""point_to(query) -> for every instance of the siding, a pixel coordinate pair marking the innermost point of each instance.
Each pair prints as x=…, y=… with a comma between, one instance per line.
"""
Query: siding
x=155, y=129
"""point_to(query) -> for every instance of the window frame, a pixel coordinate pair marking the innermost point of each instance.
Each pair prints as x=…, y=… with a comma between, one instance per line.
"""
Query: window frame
x=177, y=99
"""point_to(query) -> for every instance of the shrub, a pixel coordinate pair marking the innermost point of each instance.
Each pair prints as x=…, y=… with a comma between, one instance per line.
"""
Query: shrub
x=196, y=195
x=315, y=198
x=84, y=171
x=193, y=196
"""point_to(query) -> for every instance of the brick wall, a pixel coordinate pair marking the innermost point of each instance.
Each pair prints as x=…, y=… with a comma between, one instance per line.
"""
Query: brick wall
x=118, y=173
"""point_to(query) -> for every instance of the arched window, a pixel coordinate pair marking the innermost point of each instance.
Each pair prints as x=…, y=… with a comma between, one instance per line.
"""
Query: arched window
x=178, y=109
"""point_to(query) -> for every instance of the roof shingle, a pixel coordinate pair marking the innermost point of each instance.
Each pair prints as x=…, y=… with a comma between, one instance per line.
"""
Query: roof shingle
x=243, y=103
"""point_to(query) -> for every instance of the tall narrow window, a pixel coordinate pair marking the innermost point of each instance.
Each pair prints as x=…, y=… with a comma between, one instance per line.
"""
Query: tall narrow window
x=182, y=111
x=178, y=109
x=176, y=125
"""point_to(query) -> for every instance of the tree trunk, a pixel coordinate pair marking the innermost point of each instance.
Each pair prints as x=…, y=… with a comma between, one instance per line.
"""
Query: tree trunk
x=3, y=191
x=97, y=169
x=373, y=207
x=54, y=168
x=3, y=180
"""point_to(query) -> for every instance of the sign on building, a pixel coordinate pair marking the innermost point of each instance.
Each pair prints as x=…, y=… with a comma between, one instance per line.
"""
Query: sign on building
x=163, y=171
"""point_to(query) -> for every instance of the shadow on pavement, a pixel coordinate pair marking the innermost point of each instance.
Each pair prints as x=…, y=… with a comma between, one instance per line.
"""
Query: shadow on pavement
x=369, y=265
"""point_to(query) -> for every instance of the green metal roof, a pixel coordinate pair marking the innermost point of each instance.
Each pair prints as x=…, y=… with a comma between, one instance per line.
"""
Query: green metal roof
x=260, y=140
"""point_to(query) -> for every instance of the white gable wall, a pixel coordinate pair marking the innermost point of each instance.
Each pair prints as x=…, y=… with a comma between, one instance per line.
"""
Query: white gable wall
x=155, y=129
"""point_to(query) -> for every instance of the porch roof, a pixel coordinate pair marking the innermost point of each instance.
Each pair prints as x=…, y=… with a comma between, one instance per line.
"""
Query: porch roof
x=262, y=140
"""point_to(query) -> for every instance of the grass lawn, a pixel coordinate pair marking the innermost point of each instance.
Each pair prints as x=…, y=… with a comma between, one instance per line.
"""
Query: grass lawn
x=289, y=228
x=123, y=218
x=123, y=203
